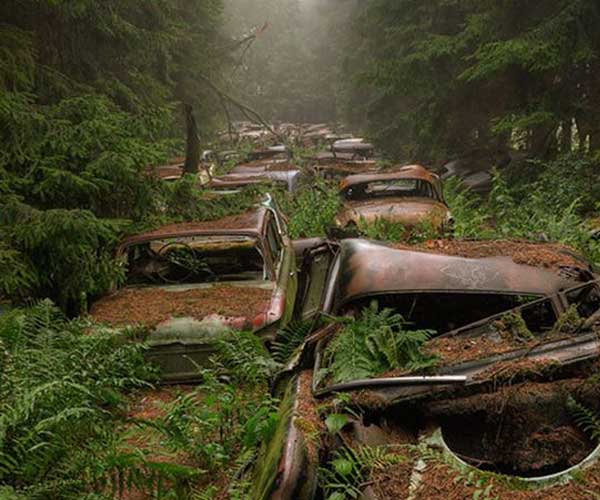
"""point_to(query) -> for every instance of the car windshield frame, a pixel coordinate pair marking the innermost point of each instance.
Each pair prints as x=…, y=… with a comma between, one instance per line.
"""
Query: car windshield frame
x=409, y=188
x=203, y=241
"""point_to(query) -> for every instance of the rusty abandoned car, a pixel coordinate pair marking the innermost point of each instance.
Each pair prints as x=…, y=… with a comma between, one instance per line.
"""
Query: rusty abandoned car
x=410, y=195
x=256, y=173
x=191, y=283
x=501, y=343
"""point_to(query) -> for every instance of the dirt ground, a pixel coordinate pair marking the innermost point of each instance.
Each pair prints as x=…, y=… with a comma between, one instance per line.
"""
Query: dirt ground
x=440, y=482
x=150, y=306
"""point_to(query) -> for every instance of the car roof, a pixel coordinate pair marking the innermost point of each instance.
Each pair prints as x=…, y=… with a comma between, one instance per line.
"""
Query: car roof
x=371, y=268
x=405, y=172
x=250, y=223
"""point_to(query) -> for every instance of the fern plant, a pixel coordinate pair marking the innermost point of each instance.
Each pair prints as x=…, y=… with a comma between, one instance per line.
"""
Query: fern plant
x=376, y=342
x=585, y=418
x=59, y=380
x=349, y=470
x=289, y=339
x=245, y=358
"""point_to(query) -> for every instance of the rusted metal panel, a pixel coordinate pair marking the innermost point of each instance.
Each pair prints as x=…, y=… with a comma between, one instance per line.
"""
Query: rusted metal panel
x=368, y=268
x=240, y=179
x=407, y=211
x=248, y=223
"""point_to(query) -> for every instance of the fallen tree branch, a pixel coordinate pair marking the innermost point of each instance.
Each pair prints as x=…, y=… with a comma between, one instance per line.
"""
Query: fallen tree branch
x=248, y=112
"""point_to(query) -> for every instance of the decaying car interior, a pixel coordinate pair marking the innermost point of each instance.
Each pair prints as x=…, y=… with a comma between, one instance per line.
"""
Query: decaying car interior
x=191, y=283
x=509, y=346
x=409, y=195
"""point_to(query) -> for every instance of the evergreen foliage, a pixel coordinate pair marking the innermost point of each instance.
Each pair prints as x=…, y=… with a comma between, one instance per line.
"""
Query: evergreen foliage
x=90, y=97
x=475, y=79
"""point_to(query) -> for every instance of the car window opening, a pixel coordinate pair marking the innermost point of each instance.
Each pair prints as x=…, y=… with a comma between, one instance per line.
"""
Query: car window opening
x=194, y=260
x=443, y=312
x=409, y=188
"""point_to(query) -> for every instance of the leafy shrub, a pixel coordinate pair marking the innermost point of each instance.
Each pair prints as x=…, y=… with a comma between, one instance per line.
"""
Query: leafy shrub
x=383, y=229
x=376, y=342
x=245, y=358
x=312, y=210
x=216, y=419
x=471, y=220
x=531, y=216
x=60, y=384
x=63, y=254
x=540, y=211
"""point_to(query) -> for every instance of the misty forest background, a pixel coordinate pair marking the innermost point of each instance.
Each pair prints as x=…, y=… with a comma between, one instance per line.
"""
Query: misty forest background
x=93, y=92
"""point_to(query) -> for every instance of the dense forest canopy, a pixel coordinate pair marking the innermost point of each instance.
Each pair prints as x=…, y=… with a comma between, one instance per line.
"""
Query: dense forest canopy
x=91, y=94
x=448, y=79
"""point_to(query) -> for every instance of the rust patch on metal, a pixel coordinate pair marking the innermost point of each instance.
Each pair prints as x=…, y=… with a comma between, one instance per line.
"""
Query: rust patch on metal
x=372, y=269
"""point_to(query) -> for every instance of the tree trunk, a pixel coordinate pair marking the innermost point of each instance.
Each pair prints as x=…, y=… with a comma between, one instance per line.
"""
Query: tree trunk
x=192, y=154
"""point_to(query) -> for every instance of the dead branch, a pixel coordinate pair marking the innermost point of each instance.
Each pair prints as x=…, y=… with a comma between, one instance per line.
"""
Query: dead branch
x=248, y=112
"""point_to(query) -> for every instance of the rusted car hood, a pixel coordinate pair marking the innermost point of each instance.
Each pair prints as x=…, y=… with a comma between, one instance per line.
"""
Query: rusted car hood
x=191, y=313
x=409, y=212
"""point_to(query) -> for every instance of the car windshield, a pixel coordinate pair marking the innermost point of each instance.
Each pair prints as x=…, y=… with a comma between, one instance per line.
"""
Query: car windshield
x=195, y=259
x=409, y=188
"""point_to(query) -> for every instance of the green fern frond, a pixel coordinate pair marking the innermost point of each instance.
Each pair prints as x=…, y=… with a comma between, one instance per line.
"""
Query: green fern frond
x=585, y=418
x=289, y=339
x=374, y=343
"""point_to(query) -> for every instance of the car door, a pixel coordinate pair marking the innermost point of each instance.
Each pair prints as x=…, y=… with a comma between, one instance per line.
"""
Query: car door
x=284, y=264
x=314, y=272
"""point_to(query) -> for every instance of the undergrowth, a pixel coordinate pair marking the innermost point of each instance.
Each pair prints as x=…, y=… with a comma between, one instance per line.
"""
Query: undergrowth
x=216, y=427
x=66, y=388
x=61, y=389
x=349, y=470
x=383, y=229
x=312, y=210
x=532, y=212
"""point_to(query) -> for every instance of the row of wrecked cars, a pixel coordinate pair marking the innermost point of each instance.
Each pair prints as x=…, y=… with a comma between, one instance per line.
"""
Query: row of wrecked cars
x=511, y=345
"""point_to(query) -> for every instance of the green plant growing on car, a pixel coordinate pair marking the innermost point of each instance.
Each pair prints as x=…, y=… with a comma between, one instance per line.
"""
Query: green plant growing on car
x=512, y=326
x=374, y=343
x=587, y=420
x=568, y=322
